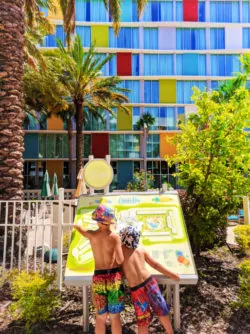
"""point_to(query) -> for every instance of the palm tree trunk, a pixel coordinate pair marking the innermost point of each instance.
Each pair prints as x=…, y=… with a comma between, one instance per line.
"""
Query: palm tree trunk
x=70, y=137
x=79, y=135
x=11, y=99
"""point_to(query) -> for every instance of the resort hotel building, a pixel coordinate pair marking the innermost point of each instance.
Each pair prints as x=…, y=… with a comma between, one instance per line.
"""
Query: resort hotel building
x=172, y=47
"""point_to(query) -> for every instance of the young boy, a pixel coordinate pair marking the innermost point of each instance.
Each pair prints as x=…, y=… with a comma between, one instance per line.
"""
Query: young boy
x=144, y=289
x=107, y=288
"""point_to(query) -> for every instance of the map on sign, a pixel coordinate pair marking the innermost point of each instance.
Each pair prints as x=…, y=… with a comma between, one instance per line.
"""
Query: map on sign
x=160, y=220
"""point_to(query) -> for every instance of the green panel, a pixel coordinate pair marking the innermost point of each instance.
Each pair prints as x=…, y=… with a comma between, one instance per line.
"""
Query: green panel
x=167, y=91
x=124, y=121
x=125, y=173
x=100, y=36
x=30, y=146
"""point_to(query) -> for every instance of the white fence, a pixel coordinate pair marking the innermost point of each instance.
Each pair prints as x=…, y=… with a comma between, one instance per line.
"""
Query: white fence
x=35, y=194
x=34, y=232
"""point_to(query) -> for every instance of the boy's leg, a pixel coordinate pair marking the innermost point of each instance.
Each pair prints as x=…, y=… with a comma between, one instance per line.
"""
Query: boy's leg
x=116, y=326
x=166, y=323
x=100, y=325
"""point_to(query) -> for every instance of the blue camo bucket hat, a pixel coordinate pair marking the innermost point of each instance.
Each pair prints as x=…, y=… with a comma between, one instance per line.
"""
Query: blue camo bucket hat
x=130, y=237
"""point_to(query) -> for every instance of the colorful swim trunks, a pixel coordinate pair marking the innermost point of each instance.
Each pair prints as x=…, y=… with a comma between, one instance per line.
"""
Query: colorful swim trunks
x=145, y=295
x=108, y=291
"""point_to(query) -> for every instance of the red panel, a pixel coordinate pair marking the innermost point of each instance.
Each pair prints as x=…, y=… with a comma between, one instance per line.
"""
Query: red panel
x=124, y=63
x=100, y=145
x=190, y=10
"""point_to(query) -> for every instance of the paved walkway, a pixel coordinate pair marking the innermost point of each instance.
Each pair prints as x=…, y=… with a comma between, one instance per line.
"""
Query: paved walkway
x=231, y=235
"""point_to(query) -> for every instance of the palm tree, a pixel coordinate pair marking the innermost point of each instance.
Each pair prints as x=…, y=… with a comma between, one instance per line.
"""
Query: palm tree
x=11, y=98
x=80, y=73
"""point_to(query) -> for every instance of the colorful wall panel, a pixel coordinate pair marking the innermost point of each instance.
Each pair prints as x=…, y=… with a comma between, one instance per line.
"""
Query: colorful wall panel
x=124, y=173
x=55, y=123
x=166, y=147
x=100, y=144
x=190, y=64
x=167, y=38
x=31, y=146
x=55, y=167
x=100, y=36
x=190, y=10
x=124, y=63
x=167, y=91
x=57, y=14
x=124, y=121
x=233, y=38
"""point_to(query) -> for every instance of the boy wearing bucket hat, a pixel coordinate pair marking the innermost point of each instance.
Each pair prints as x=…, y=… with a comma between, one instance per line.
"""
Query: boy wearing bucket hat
x=145, y=292
x=107, y=287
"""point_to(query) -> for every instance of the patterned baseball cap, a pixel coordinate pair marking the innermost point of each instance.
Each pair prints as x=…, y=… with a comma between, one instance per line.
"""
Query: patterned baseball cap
x=104, y=215
x=130, y=237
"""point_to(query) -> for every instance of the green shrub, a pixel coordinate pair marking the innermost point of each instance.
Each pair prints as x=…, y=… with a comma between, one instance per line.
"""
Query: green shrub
x=35, y=298
x=138, y=183
x=244, y=292
x=242, y=236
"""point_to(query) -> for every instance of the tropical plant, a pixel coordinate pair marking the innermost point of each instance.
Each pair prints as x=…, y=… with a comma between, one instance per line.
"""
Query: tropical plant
x=11, y=99
x=147, y=119
x=80, y=74
x=138, y=182
x=214, y=159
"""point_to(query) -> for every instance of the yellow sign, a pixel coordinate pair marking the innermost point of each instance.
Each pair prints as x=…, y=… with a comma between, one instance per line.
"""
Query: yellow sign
x=98, y=174
x=163, y=233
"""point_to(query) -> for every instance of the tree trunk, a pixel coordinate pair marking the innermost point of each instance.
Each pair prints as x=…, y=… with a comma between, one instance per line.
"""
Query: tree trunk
x=70, y=137
x=11, y=99
x=79, y=135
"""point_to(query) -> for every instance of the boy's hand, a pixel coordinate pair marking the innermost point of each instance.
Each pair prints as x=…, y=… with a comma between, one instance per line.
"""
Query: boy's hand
x=175, y=277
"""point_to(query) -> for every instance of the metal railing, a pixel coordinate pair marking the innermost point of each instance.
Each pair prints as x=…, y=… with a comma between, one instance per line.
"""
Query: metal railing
x=34, y=234
x=35, y=194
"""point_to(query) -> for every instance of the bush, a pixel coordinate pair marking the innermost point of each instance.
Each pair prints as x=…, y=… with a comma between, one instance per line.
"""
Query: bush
x=35, y=298
x=138, y=183
x=244, y=292
x=242, y=236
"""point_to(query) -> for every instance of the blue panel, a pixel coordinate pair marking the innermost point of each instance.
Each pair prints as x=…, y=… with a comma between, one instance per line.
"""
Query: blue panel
x=135, y=64
x=201, y=11
x=246, y=38
x=217, y=38
x=179, y=11
x=155, y=11
x=124, y=173
x=82, y=10
x=151, y=91
x=190, y=39
x=31, y=146
x=246, y=12
x=134, y=12
x=190, y=64
x=151, y=38
x=127, y=38
x=113, y=65
x=85, y=34
x=126, y=11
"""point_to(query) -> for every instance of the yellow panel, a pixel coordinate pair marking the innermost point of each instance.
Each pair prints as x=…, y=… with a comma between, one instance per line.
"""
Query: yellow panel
x=124, y=120
x=166, y=147
x=55, y=123
x=167, y=91
x=100, y=36
x=56, y=15
x=55, y=167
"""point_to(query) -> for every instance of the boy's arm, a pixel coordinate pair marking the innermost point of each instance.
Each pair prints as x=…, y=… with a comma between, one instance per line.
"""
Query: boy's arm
x=157, y=266
x=82, y=231
x=118, y=250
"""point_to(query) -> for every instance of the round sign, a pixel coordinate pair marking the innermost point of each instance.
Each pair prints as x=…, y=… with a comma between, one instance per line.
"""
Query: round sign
x=98, y=174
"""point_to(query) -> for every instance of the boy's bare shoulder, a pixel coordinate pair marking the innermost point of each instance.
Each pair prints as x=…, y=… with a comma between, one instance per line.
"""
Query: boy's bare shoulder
x=140, y=250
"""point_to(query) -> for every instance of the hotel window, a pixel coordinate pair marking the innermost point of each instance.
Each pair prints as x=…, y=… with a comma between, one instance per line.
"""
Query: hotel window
x=50, y=40
x=114, y=184
x=95, y=123
x=135, y=17
x=162, y=173
x=86, y=145
x=150, y=38
x=158, y=64
x=31, y=123
x=124, y=146
x=83, y=10
x=33, y=174
x=136, y=117
x=53, y=146
x=97, y=11
x=85, y=34
x=153, y=146
x=156, y=11
x=164, y=117
x=180, y=117
x=246, y=11
x=225, y=11
x=246, y=38
x=127, y=38
x=65, y=175
x=217, y=38
x=185, y=91
x=190, y=39
x=151, y=91
x=191, y=64
x=224, y=65
x=134, y=87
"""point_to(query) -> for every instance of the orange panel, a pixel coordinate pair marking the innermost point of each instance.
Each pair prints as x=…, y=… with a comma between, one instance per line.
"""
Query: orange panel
x=166, y=147
x=55, y=123
x=55, y=167
x=56, y=15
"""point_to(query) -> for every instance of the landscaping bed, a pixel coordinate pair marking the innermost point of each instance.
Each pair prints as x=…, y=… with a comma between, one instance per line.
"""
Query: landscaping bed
x=207, y=307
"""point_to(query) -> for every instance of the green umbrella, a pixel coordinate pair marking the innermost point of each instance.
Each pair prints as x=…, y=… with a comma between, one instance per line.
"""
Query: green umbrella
x=55, y=185
x=46, y=192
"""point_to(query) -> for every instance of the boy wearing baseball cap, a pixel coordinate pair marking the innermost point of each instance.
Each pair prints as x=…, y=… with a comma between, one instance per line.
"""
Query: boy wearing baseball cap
x=107, y=287
x=145, y=292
